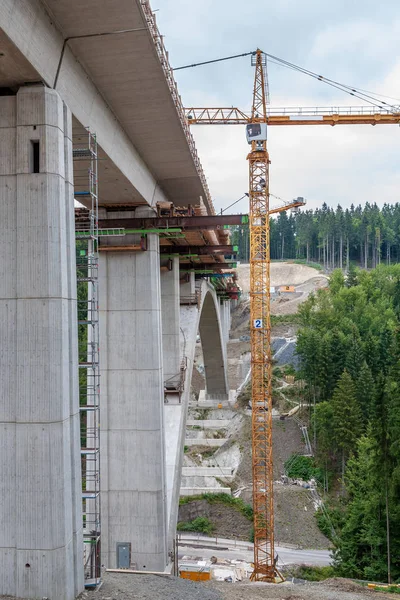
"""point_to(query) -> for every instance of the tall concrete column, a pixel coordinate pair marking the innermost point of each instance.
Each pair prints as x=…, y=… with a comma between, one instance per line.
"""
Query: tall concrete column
x=132, y=409
x=188, y=288
x=170, y=318
x=41, y=541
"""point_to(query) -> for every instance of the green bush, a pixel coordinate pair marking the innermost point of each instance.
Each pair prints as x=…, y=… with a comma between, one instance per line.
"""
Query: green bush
x=285, y=319
x=200, y=525
x=314, y=573
x=251, y=537
x=303, y=467
x=392, y=589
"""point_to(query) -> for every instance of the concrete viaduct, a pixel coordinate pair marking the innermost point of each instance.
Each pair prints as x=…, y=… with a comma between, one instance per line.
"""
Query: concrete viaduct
x=66, y=65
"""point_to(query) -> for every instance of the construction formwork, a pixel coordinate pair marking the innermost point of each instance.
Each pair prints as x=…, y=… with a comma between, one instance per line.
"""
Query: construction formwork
x=87, y=260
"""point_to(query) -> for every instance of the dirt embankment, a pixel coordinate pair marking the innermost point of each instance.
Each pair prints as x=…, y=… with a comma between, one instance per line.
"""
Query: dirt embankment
x=228, y=521
x=282, y=273
x=304, y=279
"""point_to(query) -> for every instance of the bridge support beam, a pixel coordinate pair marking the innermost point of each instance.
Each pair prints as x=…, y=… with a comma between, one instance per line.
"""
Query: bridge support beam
x=132, y=409
x=41, y=544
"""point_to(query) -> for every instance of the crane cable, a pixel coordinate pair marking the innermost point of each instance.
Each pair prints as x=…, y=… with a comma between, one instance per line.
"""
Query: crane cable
x=364, y=95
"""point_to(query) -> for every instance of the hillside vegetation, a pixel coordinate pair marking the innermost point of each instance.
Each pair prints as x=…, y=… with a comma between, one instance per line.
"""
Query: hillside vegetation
x=349, y=346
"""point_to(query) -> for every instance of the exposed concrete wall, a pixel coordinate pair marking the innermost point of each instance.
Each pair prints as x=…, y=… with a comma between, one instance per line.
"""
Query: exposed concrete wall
x=132, y=408
x=170, y=320
x=188, y=288
x=41, y=545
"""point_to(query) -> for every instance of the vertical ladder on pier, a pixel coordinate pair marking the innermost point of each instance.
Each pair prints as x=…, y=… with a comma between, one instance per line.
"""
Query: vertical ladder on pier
x=87, y=259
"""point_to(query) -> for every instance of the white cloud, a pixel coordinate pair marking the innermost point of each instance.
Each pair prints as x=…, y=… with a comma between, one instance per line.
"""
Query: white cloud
x=351, y=42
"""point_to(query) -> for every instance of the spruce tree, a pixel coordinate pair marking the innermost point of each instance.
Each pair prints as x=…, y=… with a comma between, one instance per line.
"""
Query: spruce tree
x=346, y=417
x=365, y=386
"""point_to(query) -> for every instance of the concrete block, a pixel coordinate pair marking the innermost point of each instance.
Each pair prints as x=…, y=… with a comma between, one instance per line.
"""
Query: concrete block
x=132, y=411
x=211, y=442
x=38, y=105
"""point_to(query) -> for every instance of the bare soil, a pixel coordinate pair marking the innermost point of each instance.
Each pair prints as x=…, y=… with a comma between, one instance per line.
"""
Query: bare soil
x=282, y=273
x=295, y=522
x=228, y=521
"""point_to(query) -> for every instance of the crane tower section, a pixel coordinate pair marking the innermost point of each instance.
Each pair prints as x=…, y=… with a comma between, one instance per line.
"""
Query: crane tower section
x=260, y=325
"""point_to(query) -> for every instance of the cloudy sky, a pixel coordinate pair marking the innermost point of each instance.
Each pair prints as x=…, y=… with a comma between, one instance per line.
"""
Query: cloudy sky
x=351, y=41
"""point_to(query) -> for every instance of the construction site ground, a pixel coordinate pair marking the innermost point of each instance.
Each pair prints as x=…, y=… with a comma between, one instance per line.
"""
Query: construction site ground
x=151, y=587
x=295, y=523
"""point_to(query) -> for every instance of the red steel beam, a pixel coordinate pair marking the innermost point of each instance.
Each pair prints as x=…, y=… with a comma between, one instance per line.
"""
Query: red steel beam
x=198, y=223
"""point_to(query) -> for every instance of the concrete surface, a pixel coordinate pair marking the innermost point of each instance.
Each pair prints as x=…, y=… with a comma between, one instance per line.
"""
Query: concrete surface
x=113, y=84
x=211, y=442
x=194, y=491
x=41, y=544
x=225, y=472
x=170, y=321
x=133, y=481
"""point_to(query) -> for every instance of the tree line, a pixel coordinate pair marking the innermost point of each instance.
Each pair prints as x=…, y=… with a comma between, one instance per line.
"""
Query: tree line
x=367, y=236
x=349, y=349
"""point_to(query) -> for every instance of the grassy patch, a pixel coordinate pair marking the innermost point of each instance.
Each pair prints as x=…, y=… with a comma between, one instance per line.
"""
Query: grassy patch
x=314, y=265
x=285, y=319
x=200, y=525
x=391, y=589
x=222, y=498
x=311, y=573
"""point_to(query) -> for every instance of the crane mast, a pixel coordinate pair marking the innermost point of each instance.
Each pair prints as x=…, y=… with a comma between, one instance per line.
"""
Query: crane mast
x=260, y=326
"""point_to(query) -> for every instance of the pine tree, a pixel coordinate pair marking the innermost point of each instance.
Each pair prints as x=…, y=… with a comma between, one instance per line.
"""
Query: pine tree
x=361, y=547
x=365, y=390
x=346, y=417
x=355, y=355
x=351, y=279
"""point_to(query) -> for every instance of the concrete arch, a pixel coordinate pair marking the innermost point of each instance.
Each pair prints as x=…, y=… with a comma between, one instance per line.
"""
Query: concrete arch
x=204, y=316
x=213, y=343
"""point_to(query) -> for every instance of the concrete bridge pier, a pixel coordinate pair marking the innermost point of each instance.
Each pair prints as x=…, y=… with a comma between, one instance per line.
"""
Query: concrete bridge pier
x=188, y=287
x=40, y=483
x=132, y=408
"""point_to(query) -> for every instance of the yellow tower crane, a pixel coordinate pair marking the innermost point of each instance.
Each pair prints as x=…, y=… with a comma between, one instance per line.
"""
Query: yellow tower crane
x=265, y=568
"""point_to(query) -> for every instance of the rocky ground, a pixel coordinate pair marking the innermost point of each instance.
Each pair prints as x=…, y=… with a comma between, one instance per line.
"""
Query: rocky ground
x=120, y=586
x=149, y=587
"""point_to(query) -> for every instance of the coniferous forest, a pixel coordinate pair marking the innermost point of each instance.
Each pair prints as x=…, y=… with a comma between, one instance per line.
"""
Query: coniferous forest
x=349, y=346
x=367, y=235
